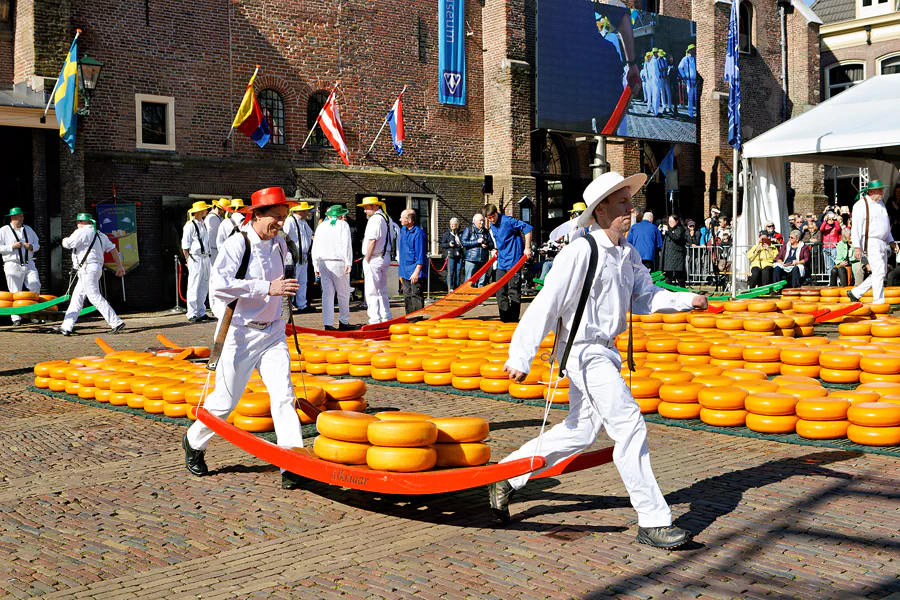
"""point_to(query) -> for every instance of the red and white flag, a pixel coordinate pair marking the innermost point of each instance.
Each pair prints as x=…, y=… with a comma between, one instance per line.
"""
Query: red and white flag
x=330, y=122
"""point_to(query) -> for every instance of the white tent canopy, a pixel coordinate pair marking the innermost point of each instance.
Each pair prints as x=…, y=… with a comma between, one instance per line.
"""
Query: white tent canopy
x=858, y=128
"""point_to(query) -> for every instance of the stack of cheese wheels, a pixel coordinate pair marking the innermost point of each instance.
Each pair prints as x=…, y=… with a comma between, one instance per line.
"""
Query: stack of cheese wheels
x=344, y=394
x=723, y=406
x=822, y=418
x=878, y=365
x=310, y=389
x=460, y=442
x=531, y=388
x=466, y=370
x=254, y=413
x=645, y=391
x=677, y=400
x=409, y=367
x=874, y=423
x=765, y=358
x=384, y=365
x=343, y=436
x=558, y=390
x=800, y=360
x=493, y=379
x=771, y=412
x=838, y=365
x=316, y=359
x=401, y=442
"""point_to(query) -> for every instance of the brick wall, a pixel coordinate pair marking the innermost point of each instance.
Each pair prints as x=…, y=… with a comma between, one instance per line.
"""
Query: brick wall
x=870, y=55
x=7, y=63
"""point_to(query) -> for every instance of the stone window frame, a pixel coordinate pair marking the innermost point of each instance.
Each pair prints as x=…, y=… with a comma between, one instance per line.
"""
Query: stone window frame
x=281, y=138
x=434, y=238
x=318, y=138
x=883, y=59
x=875, y=8
x=843, y=63
x=169, y=101
x=6, y=31
x=751, y=31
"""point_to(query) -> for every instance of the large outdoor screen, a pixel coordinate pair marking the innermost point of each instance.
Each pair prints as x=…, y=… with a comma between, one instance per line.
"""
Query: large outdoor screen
x=607, y=69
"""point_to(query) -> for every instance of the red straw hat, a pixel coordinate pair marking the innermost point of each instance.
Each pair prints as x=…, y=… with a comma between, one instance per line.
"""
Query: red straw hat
x=270, y=196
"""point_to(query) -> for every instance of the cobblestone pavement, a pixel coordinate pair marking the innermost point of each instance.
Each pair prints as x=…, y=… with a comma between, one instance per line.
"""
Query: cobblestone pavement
x=97, y=504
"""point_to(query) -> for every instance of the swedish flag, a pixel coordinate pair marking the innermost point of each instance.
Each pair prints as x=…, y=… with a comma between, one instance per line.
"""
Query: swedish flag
x=66, y=97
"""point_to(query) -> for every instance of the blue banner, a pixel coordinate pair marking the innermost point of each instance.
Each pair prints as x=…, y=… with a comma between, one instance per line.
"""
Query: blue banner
x=451, y=52
x=733, y=78
x=119, y=222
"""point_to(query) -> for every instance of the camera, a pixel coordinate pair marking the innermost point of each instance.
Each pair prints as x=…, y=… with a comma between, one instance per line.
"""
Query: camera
x=290, y=271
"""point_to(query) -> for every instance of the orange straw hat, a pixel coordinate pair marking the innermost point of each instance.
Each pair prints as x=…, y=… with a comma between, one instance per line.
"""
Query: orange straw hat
x=270, y=196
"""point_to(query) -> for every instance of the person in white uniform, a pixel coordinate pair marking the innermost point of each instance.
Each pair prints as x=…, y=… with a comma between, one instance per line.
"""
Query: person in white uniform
x=377, y=247
x=872, y=236
x=300, y=236
x=212, y=221
x=88, y=247
x=18, y=245
x=332, y=256
x=232, y=224
x=195, y=246
x=598, y=396
x=255, y=340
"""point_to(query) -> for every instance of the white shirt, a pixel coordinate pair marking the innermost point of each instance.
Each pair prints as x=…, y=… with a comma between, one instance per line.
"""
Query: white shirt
x=233, y=223
x=7, y=239
x=267, y=258
x=298, y=231
x=879, y=223
x=620, y=280
x=377, y=229
x=332, y=242
x=193, y=237
x=212, y=222
x=80, y=241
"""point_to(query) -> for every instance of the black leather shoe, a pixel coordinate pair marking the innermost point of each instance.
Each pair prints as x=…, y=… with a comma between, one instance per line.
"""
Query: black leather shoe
x=193, y=459
x=118, y=328
x=65, y=332
x=500, y=494
x=329, y=328
x=291, y=481
x=346, y=327
x=851, y=296
x=663, y=537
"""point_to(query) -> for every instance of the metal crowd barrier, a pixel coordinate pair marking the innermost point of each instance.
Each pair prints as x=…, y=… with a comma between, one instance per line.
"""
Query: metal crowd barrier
x=702, y=263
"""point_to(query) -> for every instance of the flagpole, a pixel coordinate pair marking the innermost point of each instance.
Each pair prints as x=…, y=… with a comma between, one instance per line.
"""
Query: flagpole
x=734, y=170
x=55, y=87
x=369, y=151
x=316, y=122
x=230, y=131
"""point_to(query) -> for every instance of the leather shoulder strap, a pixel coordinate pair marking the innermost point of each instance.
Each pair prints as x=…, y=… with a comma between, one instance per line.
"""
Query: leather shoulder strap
x=245, y=258
x=866, y=238
x=199, y=239
x=88, y=253
x=582, y=301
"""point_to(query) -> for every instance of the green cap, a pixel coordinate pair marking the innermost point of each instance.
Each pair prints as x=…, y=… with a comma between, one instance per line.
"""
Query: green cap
x=336, y=210
x=875, y=184
x=84, y=217
x=16, y=210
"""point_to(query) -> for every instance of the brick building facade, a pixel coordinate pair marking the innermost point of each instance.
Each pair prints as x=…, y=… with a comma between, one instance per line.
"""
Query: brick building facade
x=191, y=61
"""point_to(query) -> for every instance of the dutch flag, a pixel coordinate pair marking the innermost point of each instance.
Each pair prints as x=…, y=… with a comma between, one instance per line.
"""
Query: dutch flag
x=395, y=120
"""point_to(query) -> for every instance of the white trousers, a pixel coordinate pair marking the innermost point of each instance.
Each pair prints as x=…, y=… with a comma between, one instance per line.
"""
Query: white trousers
x=654, y=96
x=88, y=286
x=247, y=349
x=598, y=399
x=691, y=97
x=375, y=273
x=213, y=253
x=334, y=281
x=663, y=93
x=198, y=286
x=20, y=278
x=302, y=276
x=878, y=254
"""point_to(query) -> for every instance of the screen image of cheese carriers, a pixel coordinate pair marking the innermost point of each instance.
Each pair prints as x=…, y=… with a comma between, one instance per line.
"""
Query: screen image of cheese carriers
x=598, y=396
x=18, y=245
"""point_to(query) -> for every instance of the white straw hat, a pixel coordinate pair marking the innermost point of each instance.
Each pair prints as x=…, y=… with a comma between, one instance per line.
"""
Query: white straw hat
x=600, y=188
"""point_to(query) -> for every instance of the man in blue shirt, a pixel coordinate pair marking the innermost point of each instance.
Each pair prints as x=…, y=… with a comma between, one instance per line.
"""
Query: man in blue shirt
x=413, y=265
x=508, y=234
x=647, y=239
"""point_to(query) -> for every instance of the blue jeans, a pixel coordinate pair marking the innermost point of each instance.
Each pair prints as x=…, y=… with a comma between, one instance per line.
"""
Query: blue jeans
x=454, y=268
x=471, y=269
x=545, y=268
x=829, y=254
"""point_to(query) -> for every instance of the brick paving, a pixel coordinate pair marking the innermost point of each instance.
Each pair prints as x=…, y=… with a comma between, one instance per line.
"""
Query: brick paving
x=97, y=504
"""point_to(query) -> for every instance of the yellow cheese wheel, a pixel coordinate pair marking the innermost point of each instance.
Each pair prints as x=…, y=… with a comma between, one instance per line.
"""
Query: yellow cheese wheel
x=667, y=365
x=752, y=386
x=402, y=434
x=339, y=451
x=759, y=325
x=672, y=376
x=462, y=454
x=680, y=392
x=57, y=385
x=736, y=305
x=703, y=321
x=526, y=391
x=839, y=375
x=839, y=360
x=74, y=373
x=175, y=411
x=253, y=424
x=727, y=364
x=337, y=356
x=856, y=396
x=728, y=324
x=33, y=296
x=855, y=328
x=360, y=357
x=466, y=383
x=738, y=374
x=316, y=368
x=770, y=403
x=385, y=360
x=154, y=390
x=72, y=387
x=723, y=418
x=882, y=388
x=675, y=410
x=410, y=376
x=884, y=329
x=460, y=429
x=360, y=370
x=800, y=356
x=559, y=395
x=792, y=379
x=694, y=359
x=344, y=389
x=400, y=415
x=803, y=390
x=495, y=386
x=874, y=414
x=438, y=378
x=346, y=426
x=771, y=424
x=42, y=369
x=887, y=364
x=644, y=387
x=154, y=407
x=401, y=460
x=822, y=409
x=662, y=357
x=379, y=374
x=355, y=405
x=120, y=399
x=722, y=398
x=467, y=367
x=648, y=405
x=437, y=364
x=316, y=355
x=101, y=395
x=409, y=363
x=337, y=369
x=638, y=371
x=693, y=347
x=761, y=306
x=86, y=392
x=42, y=382
x=893, y=398
x=254, y=405
x=822, y=430
x=700, y=370
x=175, y=394
x=727, y=351
x=875, y=378
x=493, y=370
x=714, y=380
x=874, y=436
x=662, y=345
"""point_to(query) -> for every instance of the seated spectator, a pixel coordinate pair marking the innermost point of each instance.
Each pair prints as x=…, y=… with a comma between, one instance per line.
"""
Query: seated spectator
x=809, y=233
x=792, y=262
x=774, y=236
x=840, y=272
x=762, y=258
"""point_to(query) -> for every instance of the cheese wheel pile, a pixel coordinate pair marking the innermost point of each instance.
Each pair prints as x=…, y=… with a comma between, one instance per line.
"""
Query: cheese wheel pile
x=402, y=442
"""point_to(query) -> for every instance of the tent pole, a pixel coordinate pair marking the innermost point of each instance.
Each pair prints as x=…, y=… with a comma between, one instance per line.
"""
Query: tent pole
x=734, y=205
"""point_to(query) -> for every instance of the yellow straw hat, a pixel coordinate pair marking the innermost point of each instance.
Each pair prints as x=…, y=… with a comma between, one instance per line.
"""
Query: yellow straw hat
x=304, y=205
x=198, y=206
x=223, y=203
x=371, y=201
x=236, y=203
x=578, y=207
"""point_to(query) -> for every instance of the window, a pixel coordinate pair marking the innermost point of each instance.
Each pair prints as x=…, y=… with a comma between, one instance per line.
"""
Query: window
x=889, y=65
x=313, y=108
x=841, y=77
x=7, y=15
x=426, y=211
x=745, y=28
x=651, y=6
x=872, y=8
x=272, y=106
x=154, y=122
